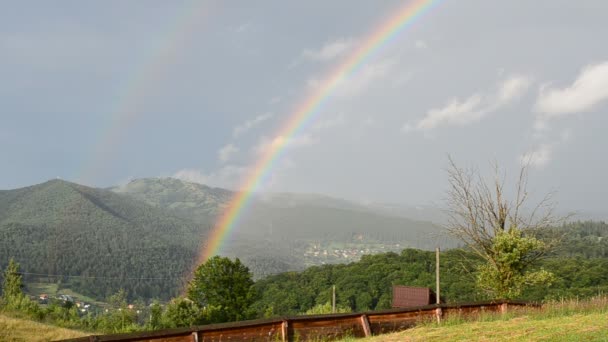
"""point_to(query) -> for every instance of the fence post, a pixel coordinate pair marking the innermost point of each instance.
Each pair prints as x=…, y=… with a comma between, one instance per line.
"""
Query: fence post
x=438, y=314
x=365, y=323
x=194, y=336
x=285, y=331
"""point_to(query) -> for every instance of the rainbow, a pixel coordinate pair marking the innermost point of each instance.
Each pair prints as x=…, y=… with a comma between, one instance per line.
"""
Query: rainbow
x=306, y=112
x=140, y=84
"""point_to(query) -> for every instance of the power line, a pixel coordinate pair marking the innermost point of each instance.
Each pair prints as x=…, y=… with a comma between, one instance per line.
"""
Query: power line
x=98, y=277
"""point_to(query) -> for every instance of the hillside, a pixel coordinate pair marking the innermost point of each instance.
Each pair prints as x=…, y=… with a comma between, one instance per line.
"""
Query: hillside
x=107, y=240
x=296, y=228
x=570, y=327
x=144, y=235
x=193, y=200
x=299, y=216
x=15, y=329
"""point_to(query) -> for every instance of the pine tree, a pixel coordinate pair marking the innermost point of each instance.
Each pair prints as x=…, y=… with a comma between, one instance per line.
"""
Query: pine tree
x=11, y=288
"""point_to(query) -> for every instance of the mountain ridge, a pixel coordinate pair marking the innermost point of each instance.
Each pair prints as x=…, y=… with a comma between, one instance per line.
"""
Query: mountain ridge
x=155, y=227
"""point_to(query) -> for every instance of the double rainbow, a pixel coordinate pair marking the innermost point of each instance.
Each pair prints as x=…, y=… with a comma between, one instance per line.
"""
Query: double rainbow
x=306, y=112
x=139, y=85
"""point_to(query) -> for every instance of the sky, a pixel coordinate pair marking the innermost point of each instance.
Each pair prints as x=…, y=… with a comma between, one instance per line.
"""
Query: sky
x=103, y=92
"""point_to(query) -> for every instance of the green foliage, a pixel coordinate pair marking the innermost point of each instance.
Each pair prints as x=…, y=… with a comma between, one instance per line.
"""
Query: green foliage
x=11, y=287
x=156, y=316
x=363, y=285
x=181, y=312
x=225, y=284
x=507, y=272
x=113, y=241
x=326, y=309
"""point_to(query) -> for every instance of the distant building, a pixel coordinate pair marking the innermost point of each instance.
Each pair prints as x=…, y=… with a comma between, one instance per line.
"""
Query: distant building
x=65, y=298
x=408, y=296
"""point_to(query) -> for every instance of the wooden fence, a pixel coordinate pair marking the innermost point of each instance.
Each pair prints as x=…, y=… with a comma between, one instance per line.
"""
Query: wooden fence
x=315, y=327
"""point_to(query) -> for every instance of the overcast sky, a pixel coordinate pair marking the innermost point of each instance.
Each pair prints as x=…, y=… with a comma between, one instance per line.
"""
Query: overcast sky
x=101, y=92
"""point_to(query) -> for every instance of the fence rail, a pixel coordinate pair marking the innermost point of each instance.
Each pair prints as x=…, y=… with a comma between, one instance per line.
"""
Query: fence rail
x=302, y=328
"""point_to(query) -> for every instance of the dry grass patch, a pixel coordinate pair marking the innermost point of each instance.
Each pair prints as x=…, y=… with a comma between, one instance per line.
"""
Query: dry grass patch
x=15, y=329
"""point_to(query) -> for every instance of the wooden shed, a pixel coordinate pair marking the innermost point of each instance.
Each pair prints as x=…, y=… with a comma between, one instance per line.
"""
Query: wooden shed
x=408, y=296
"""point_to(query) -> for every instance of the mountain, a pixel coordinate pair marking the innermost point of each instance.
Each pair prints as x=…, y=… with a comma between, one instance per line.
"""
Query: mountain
x=58, y=229
x=144, y=236
x=298, y=216
x=196, y=201
x=297, y=229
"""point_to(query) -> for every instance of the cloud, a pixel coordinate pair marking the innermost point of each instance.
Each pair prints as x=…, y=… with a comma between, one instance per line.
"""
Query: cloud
x=247, y=125
x=544, y=152
x=357, y=83
x=455, y=112
x=228, y=176
x=226, y=152
x=538, y=157
x=513, y=88
x=329, y=51
x=588, y=90
x=473, y=108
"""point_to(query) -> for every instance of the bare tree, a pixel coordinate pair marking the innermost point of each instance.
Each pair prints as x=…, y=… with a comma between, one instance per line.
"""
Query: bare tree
x=479, y=212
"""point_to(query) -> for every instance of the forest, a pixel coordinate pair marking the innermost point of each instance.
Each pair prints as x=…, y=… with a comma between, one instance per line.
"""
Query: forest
x=580, y=266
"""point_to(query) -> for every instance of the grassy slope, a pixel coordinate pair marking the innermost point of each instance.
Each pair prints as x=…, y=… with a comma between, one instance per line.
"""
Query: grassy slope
x=14, y=329
x=578, y=327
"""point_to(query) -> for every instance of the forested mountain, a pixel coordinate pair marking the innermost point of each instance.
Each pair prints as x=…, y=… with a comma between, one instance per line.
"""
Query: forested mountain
x=296, y=216
x=284, y=231
x=143, y=236
x=109, y=241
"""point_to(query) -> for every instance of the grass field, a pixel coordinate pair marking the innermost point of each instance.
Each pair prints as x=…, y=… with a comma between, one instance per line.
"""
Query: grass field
x=15, y=329
x=557, y=321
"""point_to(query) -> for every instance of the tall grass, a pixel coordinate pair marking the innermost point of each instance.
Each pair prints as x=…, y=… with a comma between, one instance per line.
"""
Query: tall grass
x=549, y=309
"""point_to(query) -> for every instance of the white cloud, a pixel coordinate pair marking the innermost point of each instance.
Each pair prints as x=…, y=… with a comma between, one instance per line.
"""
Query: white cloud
x=455, y=112
x=588, y=90
x=513, y=88
x=247, y=125
x=229, y=176
x=226, y=152
x=475, y=107
x=233, y=176
x=538, y=157
x=359, y=82
x=329, y=51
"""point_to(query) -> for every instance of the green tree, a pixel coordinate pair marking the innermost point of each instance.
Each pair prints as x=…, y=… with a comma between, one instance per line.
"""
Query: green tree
x=181, y=312
x=12, y=286
x=156, y=314
x=223, y=284
x=508, y=275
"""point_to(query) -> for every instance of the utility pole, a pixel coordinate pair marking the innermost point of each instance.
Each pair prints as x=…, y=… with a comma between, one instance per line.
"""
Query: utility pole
x=333, y=299
x=437, y=275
